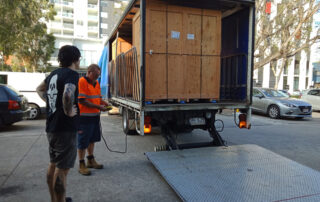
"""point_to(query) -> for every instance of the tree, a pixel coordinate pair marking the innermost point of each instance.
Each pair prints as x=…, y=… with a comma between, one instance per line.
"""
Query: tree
x=23, y=31
x=282, y=35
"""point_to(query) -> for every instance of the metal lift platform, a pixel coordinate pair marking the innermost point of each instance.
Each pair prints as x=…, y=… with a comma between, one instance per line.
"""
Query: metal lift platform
x=247, y=173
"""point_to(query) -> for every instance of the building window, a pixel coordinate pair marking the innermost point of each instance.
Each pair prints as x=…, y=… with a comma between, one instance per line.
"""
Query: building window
x=285, y=70
x=296, y=83
x=285, y=83
x=307, y=81
x=308, y=68
x=296, y=67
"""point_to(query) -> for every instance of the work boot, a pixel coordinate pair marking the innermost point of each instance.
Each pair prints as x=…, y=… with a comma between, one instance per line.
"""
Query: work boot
x=83, y=168
x=92, y=163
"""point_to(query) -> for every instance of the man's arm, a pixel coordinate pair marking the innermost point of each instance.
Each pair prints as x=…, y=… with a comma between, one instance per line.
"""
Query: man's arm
x=41, y=90
x=91, y=105
x=67, y=100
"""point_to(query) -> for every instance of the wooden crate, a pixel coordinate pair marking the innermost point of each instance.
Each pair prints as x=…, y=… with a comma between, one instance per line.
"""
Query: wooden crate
x=183, y=48
x=122, y=45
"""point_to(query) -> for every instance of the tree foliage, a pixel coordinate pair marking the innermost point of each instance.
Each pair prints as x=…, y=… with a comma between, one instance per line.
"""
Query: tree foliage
x=23, y=32
x=284, y=33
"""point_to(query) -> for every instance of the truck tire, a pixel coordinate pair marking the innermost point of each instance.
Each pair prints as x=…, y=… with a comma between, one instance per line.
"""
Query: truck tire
x=34, y=112
x=126, y=123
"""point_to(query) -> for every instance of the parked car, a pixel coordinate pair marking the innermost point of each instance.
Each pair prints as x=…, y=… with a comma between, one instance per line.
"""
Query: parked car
x=26, y=83
x=285, y=93
x=313, y=97
x=13, y=106
x=276, y=105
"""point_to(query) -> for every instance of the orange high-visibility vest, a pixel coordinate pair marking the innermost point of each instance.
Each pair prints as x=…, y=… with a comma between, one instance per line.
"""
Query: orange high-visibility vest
x=90, y=93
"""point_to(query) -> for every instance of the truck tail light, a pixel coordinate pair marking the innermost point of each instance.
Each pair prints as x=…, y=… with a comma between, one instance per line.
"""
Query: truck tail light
x=242, y=121
x=147, y=124
x=14, y=105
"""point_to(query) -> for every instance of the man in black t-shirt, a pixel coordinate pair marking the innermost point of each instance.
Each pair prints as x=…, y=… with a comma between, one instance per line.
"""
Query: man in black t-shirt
x=60, y=91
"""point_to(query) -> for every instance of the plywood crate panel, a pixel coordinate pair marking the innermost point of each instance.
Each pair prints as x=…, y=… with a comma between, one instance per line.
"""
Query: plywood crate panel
x=175, y=32
x=121, y=45
x=211, y=32
x=192, y=65
x=156, y=31
x=156, y=77
x=176, y=77
x=136, y=30
x=191, y=31
x=210, y=77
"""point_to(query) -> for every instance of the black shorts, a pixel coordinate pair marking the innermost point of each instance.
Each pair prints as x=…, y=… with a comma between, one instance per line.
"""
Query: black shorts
x=63, y=149
x=89, y=131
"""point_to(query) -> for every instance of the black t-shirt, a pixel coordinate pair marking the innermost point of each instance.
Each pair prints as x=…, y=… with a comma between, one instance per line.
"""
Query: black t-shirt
x=57, y=121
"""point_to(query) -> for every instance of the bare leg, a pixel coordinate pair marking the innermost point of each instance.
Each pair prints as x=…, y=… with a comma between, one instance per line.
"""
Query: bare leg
x=50, y=175
x=60, y=176
x=81, y=154
x=90, y=149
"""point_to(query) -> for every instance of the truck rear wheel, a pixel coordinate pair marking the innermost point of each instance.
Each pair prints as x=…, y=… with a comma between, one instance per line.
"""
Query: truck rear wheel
x=128, y=124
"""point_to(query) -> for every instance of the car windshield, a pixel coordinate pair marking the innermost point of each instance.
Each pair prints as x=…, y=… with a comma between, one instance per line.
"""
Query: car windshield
x=283, y=93
x=272, y=93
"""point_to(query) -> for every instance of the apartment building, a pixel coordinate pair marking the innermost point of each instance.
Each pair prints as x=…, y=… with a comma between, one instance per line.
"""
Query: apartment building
x=301, y=70
x=85, y=24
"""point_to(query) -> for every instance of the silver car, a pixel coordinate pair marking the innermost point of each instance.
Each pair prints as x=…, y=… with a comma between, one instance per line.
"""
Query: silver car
x=313, y=97
x=276, y=105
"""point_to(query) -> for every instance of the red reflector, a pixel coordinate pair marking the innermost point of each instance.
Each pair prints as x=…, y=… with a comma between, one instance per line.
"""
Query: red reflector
x=147, y=119
x=13, y=105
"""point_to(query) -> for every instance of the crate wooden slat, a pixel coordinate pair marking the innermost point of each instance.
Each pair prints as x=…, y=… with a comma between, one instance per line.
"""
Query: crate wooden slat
x=211, y=32
x=210, y=82
x=176, y=75
x=175, y=32
x=156, y=77
x=156, y=31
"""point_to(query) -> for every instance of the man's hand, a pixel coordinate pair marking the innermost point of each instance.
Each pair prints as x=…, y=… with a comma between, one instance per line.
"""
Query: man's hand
x=103, y=108
x=74, y=111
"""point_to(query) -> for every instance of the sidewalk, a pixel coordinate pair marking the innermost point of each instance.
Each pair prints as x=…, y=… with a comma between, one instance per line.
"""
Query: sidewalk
x=126, y=177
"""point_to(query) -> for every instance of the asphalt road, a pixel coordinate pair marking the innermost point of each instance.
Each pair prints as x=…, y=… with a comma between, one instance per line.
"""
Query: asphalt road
x=130, y=176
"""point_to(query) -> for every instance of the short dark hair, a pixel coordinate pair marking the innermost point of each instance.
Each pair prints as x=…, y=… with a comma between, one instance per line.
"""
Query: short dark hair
x=92, y=67
x=67, y=55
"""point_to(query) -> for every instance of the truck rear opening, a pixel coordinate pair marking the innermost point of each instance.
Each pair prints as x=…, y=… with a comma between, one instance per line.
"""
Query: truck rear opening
x=181, y=62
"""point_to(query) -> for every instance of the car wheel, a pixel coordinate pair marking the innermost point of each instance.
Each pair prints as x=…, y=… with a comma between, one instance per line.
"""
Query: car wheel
x=34, y=112
x=274, y=112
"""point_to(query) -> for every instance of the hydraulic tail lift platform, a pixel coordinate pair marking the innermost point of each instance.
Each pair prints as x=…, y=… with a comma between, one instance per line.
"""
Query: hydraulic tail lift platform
x=247, y=173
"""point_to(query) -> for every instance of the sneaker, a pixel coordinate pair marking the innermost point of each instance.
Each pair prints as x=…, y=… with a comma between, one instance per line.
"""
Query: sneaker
x=93, y=164
x=83, y=169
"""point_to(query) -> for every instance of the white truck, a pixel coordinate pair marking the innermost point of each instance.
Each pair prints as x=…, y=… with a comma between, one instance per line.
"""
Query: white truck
x=26, y=83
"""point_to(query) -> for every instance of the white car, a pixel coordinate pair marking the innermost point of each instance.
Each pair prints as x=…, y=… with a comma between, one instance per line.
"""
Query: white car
x=312, y=96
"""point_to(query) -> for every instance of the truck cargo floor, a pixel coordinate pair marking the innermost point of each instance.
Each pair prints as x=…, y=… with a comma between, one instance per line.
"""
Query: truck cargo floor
x=236, y=173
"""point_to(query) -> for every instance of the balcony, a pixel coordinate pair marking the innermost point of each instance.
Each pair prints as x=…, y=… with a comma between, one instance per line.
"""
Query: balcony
x=93, y=29
x=68, y=25
x=68, y=15
x=55, y=25
x=67, y=3
x=92, y=6
x=92, y=17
